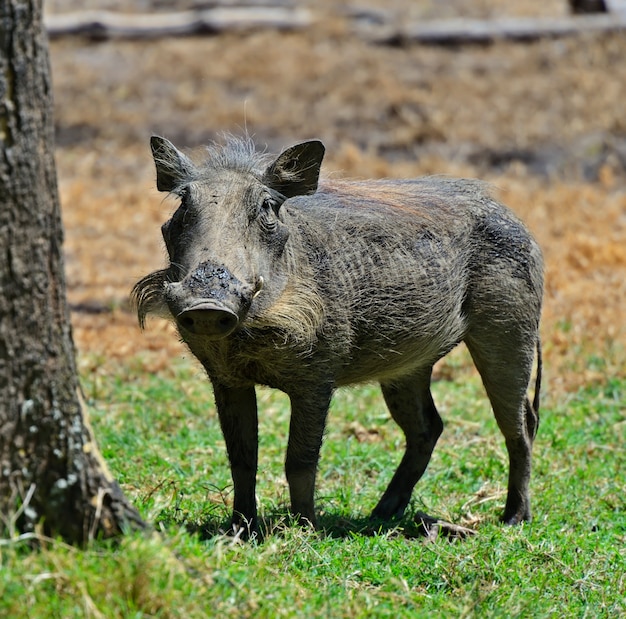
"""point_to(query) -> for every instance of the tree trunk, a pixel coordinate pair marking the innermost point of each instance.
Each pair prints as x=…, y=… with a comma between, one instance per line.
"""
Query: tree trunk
x=51, y=472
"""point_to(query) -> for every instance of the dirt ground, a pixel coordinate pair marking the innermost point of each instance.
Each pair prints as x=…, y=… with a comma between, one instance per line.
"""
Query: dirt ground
x=544, y=122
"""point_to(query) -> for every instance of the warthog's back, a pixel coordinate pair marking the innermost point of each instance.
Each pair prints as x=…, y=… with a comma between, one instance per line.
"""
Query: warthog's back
x=400, y=265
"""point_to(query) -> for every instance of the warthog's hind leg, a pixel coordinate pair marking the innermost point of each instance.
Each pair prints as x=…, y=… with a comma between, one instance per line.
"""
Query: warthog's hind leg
x=505, y=367
x=411, y=406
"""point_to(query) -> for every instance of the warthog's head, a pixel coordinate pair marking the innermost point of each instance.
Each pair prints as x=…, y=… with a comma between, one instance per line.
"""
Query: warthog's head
x=226, y=239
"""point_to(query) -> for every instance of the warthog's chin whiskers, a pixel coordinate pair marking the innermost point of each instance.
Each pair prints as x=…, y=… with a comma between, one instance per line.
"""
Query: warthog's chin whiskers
x=147, y=296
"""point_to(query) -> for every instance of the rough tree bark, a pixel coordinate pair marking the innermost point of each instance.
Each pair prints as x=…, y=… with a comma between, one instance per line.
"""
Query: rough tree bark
x=51, y=473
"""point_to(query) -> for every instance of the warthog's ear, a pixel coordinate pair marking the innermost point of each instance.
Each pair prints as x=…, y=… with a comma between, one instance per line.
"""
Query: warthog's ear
x=296, y=170
x=172, y=167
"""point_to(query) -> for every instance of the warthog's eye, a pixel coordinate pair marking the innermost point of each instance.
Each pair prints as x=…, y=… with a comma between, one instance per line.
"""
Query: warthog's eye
x=268, y=219
x=270, y=204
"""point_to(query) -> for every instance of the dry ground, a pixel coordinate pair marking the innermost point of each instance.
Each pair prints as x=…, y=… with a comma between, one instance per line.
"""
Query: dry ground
x=544, y=122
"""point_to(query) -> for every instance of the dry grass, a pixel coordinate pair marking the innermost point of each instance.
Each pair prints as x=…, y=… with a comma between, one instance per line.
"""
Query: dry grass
x=472, y=111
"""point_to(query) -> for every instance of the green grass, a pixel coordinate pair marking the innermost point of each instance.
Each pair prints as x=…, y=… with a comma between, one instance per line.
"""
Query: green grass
x=161, y=437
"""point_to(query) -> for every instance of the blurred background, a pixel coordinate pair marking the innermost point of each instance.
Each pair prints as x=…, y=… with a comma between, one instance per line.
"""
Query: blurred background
x=542, y=119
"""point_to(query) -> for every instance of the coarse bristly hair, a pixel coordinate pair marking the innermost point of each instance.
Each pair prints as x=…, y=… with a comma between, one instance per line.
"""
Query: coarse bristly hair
x=297, y=315
x=236, y=153
x=147, y=295
x=239, y=154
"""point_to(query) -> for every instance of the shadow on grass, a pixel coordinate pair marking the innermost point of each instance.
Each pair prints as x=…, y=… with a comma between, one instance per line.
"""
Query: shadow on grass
x=334, y=525
x=337, y=525
x=413, y=525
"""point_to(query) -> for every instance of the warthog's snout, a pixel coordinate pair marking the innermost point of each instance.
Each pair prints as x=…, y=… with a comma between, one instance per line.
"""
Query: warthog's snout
x=210, y=301
x=209, y=319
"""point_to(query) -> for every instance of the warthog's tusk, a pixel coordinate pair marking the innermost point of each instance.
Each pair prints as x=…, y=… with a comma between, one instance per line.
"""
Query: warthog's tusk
x=259, y=287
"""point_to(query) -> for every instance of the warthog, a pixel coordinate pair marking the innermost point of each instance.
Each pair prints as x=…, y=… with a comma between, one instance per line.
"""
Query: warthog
x=274, y=280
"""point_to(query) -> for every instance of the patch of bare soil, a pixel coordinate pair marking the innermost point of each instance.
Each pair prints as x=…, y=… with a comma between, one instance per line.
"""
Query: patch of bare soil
x=544, y=122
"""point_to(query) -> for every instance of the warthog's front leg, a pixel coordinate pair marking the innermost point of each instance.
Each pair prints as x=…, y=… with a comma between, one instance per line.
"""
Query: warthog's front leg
x=308, y=419
x=237, y=412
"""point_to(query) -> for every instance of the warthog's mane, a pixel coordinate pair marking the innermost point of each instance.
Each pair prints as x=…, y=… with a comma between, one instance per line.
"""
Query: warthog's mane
x=235, y=153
